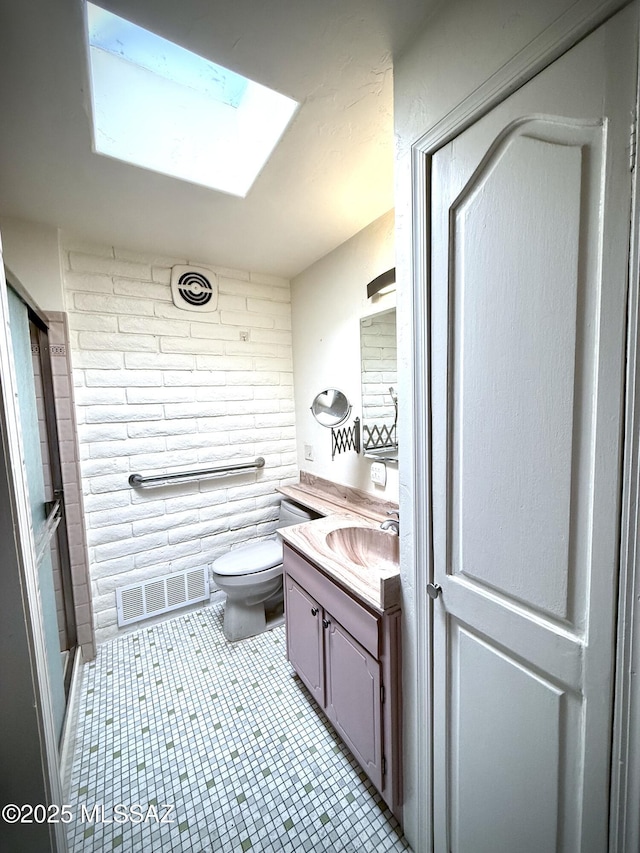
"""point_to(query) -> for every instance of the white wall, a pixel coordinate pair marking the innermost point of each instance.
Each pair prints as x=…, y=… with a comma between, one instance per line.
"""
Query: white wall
x=31, y=253
x=463, y=45
x=328, y=300
x=160, y=389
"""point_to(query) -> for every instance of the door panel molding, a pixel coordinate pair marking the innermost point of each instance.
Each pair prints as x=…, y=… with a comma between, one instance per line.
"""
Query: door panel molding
x=534, y=809
x=550, y=154
x=566, y=31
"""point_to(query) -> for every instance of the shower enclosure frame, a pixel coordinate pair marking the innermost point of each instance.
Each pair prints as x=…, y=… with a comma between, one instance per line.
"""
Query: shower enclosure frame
x=55, y=509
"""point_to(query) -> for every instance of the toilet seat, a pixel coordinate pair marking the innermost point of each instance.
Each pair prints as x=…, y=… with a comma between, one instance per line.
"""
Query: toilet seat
x=242, y=586
x=249, y=559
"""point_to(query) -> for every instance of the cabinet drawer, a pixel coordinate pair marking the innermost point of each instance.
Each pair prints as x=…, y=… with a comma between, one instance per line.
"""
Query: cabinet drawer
x=361, y=623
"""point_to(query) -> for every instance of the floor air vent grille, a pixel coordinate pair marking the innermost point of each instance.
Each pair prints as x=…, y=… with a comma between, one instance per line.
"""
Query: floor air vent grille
x=139, y=601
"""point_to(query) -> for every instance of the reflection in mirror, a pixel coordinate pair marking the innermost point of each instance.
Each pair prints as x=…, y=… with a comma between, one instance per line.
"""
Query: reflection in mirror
x=379, y=374
x=330, y=407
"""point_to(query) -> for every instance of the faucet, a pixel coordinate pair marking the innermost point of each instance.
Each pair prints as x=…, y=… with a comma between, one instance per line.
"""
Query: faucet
x=392, y=523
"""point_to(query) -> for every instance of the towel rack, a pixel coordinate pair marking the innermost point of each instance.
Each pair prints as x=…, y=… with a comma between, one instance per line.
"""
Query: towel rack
x=137, y=481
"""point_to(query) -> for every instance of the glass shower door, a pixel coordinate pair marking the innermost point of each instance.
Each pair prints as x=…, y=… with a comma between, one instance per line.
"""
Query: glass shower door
x=45, y=515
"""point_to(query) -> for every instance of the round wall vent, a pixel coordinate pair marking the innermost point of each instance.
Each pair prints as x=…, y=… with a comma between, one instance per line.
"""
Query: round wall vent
x=194, y=288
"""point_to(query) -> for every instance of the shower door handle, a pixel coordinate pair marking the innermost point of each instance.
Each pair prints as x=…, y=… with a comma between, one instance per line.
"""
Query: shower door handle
x=53, y=513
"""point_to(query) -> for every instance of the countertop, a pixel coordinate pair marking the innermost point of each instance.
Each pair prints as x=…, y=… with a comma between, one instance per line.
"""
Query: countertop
x=328, y=498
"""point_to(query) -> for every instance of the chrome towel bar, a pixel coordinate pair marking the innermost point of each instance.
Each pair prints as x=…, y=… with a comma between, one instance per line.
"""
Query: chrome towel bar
x=137, y=481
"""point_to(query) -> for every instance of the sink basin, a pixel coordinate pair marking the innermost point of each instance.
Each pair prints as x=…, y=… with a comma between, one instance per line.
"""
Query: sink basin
x=368, y=547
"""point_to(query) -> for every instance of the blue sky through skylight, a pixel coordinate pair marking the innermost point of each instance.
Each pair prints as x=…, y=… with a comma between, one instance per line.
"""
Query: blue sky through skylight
x=162, y=107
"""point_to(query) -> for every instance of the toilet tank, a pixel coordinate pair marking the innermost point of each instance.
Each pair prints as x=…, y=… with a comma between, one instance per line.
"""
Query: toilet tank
x=292, y=513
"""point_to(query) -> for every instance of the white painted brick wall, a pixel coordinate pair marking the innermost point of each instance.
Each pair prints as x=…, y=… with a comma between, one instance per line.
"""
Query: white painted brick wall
x=160, y=389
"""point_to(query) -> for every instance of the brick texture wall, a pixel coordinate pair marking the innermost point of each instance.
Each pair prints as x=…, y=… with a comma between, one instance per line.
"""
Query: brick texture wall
x=379, y=369
x=160, y=389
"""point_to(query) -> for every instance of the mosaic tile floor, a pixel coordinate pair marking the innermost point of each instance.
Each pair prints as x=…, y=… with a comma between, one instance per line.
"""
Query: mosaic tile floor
x=225, y=735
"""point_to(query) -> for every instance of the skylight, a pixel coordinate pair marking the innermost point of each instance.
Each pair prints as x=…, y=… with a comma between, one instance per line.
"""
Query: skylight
x=161, y=107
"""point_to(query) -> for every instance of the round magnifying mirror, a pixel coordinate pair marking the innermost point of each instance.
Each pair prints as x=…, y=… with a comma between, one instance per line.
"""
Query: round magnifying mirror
x=331, y=408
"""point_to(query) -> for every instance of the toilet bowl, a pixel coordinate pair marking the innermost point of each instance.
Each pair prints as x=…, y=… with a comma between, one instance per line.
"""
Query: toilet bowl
x=251, y=577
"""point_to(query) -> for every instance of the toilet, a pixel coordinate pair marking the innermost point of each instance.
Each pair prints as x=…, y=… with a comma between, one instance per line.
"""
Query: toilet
x=251, y=576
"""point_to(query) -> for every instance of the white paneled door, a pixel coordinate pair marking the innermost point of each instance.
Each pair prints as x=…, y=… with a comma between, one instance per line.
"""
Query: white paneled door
x=530, y=227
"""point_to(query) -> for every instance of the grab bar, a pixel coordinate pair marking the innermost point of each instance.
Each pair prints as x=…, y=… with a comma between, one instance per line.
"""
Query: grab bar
x=137, y=481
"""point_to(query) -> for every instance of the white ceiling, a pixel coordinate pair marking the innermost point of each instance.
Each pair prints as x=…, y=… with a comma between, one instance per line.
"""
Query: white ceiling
x=331, y=174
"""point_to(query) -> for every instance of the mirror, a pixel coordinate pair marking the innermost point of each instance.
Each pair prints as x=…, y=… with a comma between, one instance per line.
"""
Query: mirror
x=379, y=376
x=330, y=407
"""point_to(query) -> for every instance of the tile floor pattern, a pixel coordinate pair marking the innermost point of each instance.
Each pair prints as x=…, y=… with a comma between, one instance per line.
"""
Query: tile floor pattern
x=226, y=734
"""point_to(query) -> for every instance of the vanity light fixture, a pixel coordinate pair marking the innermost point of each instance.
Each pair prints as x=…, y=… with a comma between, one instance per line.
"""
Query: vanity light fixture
x=384, y=283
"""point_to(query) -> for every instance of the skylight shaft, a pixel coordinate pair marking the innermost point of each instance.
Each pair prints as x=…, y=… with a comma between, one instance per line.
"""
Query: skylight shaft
x=161, y=107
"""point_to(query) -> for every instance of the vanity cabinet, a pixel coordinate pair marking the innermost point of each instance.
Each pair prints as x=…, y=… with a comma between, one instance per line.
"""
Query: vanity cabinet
x=348, y=656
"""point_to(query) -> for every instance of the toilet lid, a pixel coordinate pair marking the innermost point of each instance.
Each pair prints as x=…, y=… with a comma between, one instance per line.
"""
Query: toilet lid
x=249, y=558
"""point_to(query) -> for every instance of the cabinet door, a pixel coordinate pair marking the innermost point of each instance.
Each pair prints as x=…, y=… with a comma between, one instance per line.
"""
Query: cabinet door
x=304, y=637
x=353, y=698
